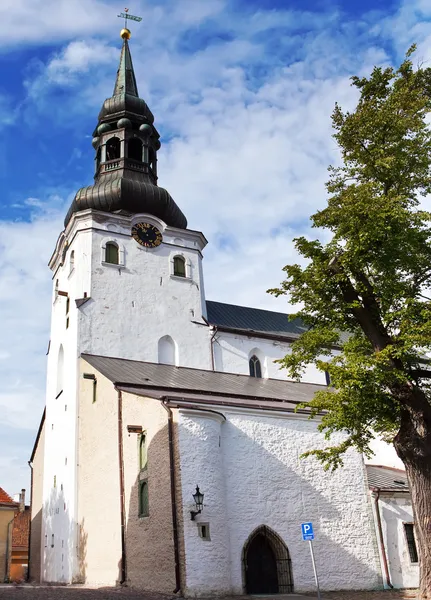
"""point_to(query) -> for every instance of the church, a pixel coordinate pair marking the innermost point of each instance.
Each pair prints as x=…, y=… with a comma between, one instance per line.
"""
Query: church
x=169, y=453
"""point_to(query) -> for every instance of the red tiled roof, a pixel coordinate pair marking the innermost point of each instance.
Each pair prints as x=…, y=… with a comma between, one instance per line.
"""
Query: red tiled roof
x=5, y=498
x=21, y=528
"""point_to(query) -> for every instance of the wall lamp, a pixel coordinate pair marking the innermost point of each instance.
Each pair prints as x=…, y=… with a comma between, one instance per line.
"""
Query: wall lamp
x=198, y=497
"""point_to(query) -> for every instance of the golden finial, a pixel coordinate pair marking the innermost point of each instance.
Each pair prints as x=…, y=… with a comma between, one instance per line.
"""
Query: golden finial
x=125, y=32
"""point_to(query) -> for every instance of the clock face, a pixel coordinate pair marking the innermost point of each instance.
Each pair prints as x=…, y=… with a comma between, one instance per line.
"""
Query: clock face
x=147, y=235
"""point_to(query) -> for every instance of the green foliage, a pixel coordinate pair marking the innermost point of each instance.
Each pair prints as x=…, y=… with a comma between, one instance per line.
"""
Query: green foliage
x=365, y=292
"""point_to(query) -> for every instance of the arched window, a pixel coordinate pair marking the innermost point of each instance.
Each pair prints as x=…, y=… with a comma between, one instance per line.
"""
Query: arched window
x=254, y=366
x=144, y=509
x=72, y=261
x=134, y=150
x=179, y=266
x=143, y=452
x=60, y=371
x=167, y=351
x=111, y=253
x=98, y=158
x=152, y=159
x=113, y=148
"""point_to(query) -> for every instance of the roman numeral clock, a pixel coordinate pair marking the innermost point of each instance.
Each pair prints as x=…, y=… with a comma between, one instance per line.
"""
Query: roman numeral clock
x=147, y=235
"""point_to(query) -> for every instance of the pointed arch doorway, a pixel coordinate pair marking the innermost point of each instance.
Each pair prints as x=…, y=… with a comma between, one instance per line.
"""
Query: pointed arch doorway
x=266, y=563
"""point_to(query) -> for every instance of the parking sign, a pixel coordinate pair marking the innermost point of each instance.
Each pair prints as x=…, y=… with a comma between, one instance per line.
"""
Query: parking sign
x=307, y=531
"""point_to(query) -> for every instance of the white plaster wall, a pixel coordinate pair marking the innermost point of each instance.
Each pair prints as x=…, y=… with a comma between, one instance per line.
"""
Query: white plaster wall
x=232, y=353
x=394, y=512
x=133, y=306
x=59, y=503
x=266, y=483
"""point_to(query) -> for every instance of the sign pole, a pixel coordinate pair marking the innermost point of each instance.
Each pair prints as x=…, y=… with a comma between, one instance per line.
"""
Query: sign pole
x=314, y=569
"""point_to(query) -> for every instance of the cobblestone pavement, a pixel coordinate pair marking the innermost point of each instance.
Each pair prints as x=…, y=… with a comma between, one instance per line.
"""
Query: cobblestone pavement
x=29, y=592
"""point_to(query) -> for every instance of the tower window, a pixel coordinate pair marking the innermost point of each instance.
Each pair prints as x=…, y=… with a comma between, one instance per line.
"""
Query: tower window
x=72, y=261
x=111, y=253
x=134, y=149
x=56, y=290
x=254, y=366
x=98, y=158
x=144, y=510
x=411, y=542
x=179, y=266
x=113, y=148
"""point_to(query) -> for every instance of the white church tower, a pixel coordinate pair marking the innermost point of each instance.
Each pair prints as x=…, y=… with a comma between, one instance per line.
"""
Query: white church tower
x=127, y=283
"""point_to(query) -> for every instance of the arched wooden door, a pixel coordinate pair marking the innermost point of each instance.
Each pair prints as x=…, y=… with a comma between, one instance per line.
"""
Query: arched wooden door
x=267, y=565
x=261, y=567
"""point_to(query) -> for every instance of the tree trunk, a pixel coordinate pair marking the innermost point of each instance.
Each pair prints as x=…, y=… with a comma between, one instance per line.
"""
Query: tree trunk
x=413, y=446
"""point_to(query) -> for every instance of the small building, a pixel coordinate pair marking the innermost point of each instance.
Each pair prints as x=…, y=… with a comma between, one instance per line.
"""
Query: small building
x=394, y=523
x=8, y=509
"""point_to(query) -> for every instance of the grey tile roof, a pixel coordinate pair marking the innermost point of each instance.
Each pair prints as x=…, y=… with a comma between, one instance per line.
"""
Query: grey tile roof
x=197, y=381
x=253, y=319
x=387, y=478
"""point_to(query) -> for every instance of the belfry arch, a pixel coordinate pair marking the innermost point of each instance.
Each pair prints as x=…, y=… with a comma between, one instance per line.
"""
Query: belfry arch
x=267, y=567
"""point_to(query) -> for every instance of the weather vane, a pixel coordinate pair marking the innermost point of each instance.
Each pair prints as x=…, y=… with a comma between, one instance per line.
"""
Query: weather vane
x=125, y=15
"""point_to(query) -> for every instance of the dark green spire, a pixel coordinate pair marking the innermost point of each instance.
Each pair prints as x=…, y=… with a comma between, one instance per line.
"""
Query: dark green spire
x=126, y=81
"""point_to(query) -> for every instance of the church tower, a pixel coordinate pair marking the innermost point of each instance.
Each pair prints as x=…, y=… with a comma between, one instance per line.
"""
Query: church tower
x=127, y=283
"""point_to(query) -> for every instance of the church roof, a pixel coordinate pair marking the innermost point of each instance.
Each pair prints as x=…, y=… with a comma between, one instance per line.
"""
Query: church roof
x=244, y=318
x=136, y=376
x=387, y=479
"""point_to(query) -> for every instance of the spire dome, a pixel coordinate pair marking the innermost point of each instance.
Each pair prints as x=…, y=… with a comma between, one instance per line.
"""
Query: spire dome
x=126, y=144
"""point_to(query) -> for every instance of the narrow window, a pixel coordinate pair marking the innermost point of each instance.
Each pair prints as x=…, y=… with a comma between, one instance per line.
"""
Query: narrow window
x=56, y=290
x=134, y=149
x=167, y=351
x=255, y=368
x=111, y=253
x=60, y=371
x=143, y=499
x=72, y=261
x=204, y=531
x=179, y=266
x=113, y=148
x=98, y=158
x=67, y=311
x=328, y=378
x=143, y=452
x=411, y=542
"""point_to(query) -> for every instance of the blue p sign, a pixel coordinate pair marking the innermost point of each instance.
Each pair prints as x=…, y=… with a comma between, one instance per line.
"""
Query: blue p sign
x=307, y=531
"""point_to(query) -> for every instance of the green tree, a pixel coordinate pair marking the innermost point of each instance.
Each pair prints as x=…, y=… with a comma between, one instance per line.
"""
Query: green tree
x=371, y=282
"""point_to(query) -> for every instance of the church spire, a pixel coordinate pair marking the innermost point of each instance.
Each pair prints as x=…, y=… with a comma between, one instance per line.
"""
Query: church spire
x=126, y=144
x=126, y=81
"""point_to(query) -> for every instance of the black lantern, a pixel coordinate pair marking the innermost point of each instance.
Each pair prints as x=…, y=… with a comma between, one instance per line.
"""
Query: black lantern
x=198, y=497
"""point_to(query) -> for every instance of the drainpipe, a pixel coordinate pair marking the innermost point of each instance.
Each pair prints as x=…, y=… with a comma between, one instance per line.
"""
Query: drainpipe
x=376, y=495
x=212, y=346
x=173, y=497
x=8, y=549
x=122, y=499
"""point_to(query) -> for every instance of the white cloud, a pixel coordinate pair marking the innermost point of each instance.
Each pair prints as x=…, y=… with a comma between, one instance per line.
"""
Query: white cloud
x=247, y=156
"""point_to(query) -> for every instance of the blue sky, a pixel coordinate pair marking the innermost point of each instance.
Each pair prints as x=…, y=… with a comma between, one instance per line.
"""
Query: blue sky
x=242, y=92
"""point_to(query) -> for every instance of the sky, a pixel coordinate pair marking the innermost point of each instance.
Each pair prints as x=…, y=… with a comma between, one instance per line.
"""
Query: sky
x=242, y=92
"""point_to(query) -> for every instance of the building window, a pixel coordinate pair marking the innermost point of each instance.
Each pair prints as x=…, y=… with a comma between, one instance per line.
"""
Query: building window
x=143, y=499
x=134, y=149
x=167, y=351
x=327, y=378
x=67, y=311
x=411, y=542
x=113, y=148
x=204, y=531
x=72, y=261
x=142, y=452
x=111, y=253
x=254, y=366
x=56, y=290
x=179, y=266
